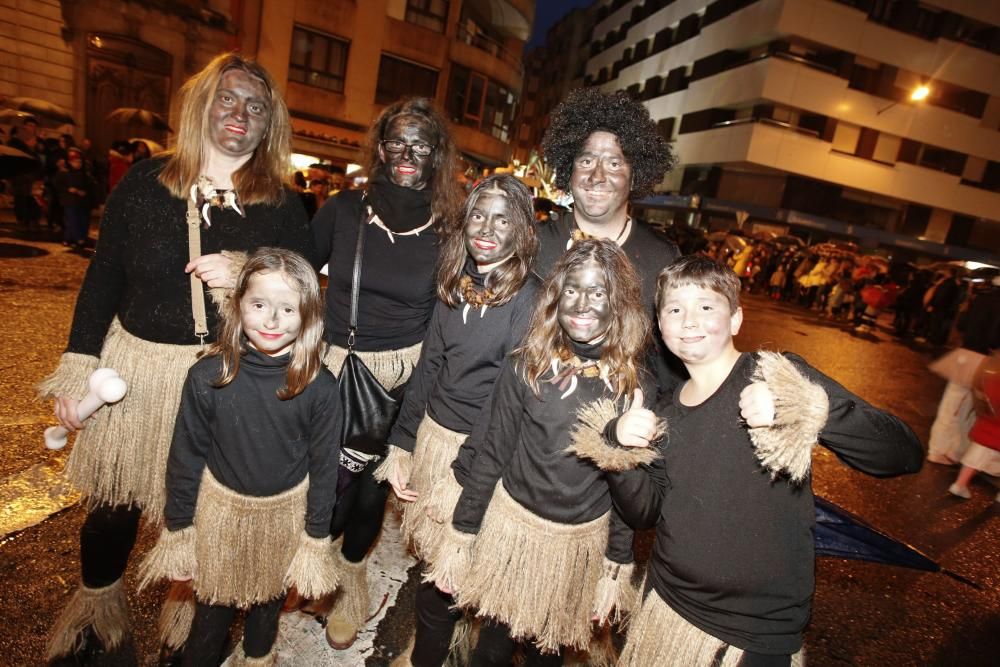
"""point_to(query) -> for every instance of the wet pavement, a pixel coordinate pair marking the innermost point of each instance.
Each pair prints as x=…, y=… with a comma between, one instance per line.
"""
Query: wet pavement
x=864, y=614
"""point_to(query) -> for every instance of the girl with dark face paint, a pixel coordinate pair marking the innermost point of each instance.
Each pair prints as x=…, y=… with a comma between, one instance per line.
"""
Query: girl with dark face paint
x=486, y=295
x=528, y=552
x=408, y=213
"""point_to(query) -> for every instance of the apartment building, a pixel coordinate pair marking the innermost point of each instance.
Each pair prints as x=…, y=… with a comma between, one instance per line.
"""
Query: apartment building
x=872, y=118
x=339, y=62
x=551, y=71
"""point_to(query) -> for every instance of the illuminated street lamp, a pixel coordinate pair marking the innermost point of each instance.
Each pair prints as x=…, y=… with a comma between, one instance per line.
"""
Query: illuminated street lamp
x=919, y=94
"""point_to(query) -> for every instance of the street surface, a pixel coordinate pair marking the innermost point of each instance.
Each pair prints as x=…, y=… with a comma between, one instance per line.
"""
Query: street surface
x=864, y=614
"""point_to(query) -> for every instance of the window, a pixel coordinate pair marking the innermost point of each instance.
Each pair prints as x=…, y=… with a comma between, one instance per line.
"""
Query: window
x=318, y=60
x=480, y=102
x=399, y=78
x=431, y=14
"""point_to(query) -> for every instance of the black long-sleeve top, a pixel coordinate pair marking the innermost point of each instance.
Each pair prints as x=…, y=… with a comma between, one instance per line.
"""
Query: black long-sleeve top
x=397, y=292
x=649, y=253
x=459, y=362
x=733, y=552
x=525, y=445
x=252, y=442
x=137, y=272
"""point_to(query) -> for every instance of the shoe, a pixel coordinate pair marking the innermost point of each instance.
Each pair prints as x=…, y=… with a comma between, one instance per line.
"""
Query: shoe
x=293, y=601
x=941, y=459
x=960, y=491
x=87, y=652
x=340, y=634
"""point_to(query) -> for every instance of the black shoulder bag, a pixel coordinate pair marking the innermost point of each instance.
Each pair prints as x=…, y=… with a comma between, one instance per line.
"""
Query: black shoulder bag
x=369, y=410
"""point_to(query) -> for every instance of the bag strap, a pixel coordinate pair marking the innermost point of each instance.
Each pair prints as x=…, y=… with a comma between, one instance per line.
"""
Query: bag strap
x=352, y=329
x=197, y=290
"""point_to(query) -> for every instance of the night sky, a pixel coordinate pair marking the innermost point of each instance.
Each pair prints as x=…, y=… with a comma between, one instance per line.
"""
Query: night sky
x=547, y=12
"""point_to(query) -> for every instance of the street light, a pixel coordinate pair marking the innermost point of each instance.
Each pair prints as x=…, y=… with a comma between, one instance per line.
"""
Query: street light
x=919, y=94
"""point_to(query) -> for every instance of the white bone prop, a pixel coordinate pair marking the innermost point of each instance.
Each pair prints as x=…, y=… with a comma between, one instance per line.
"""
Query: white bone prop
x=105, y=387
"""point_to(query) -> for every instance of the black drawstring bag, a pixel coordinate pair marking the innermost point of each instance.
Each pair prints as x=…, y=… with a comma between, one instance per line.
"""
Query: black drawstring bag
x=369, y=410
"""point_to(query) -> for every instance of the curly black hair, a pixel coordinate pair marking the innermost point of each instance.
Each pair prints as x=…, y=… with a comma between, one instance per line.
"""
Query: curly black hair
x=588, y=110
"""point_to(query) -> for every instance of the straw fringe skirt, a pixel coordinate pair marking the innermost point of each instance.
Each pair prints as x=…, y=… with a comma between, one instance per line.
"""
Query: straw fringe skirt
x=660, y=636
x=536, y=576
x=390, y=367
x=245, y=544
x=121, y=457
x=431, y=477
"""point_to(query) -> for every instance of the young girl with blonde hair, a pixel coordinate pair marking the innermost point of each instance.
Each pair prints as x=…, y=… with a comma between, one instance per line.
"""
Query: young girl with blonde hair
x=252, y=470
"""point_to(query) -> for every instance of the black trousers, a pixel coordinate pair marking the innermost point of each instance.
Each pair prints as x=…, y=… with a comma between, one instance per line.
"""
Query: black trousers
x=435, y=625
x=211, y=627
x=106, y=540
x=496, y=649
x=359, y=512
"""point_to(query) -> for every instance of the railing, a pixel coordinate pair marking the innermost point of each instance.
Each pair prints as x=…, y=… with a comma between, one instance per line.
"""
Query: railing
x=767, y=121
x=490, y=46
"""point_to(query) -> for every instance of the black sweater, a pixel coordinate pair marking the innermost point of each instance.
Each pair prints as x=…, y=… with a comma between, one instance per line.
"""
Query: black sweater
x=459, y=362
x=649, y=253
x=397, y=277
x=137, y=272
x=253, y=442
x=733, y=552
x=525, y=444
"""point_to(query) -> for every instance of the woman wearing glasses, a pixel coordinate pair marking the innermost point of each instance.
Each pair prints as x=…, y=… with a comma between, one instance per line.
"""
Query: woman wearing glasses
x=409, y=206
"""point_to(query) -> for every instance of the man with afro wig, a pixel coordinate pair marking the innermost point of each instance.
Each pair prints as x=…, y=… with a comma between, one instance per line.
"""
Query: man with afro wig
x=605, y=149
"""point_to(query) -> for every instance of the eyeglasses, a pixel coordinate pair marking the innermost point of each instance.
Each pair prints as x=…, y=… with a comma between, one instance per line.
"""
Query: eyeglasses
x=419, y=149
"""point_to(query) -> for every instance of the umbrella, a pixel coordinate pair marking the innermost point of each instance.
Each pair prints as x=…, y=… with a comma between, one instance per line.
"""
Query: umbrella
x=145, y=117
x=788, y=239
x=840, y=534
x=153, y=146
x=8, y=116
x=38, y=107
x=14, y=162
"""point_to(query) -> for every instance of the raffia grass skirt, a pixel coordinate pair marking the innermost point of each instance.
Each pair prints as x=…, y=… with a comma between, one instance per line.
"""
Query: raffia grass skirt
x=120, y=458
x=431, y=477
x=244, y=544
x=390, y=367
x=536, y=576
x=660, y=636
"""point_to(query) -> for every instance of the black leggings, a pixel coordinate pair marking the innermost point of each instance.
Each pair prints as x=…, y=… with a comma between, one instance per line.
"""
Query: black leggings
x=496, y=649
x=359, y=512
x=106, y=540
x=211, y=627
x=435, y=625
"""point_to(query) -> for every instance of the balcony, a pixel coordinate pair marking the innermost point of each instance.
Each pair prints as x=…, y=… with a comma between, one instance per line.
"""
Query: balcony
x=487, y=56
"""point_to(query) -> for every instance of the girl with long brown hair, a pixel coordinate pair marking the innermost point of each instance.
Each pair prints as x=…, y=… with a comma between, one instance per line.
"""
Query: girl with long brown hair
x=534, y=521
x=486, y=294
x=223, y=182
x=406, y=213
x=253, y=462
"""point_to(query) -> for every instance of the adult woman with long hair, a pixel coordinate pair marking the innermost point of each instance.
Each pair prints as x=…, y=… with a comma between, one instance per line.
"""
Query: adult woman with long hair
x=136, y=314
x=534, y=544
x=407, y=210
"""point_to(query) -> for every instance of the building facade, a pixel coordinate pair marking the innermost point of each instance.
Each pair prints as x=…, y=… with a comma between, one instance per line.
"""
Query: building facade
x=551, y=71
x=338, y=62
x=807, y=107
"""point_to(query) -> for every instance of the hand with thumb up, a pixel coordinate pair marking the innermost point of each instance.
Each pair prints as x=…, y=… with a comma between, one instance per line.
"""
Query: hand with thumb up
x=638, y=427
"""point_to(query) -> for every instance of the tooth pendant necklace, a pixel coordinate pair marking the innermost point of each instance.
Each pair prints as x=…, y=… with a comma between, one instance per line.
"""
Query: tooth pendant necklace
x=473, y=297
x=579, y=235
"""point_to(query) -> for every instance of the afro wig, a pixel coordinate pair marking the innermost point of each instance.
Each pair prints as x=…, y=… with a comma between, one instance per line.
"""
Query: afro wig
x=588, y=110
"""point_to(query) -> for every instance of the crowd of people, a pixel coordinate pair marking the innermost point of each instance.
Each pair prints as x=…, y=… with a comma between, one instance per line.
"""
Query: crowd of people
x=856, y=289
x=539, y=426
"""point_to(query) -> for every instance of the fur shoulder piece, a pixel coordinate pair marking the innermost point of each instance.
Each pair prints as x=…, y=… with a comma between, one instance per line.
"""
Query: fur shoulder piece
x=236, y=261
x=587, y=440
x=313, y=570
x=801, y=408
x=172, y=558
